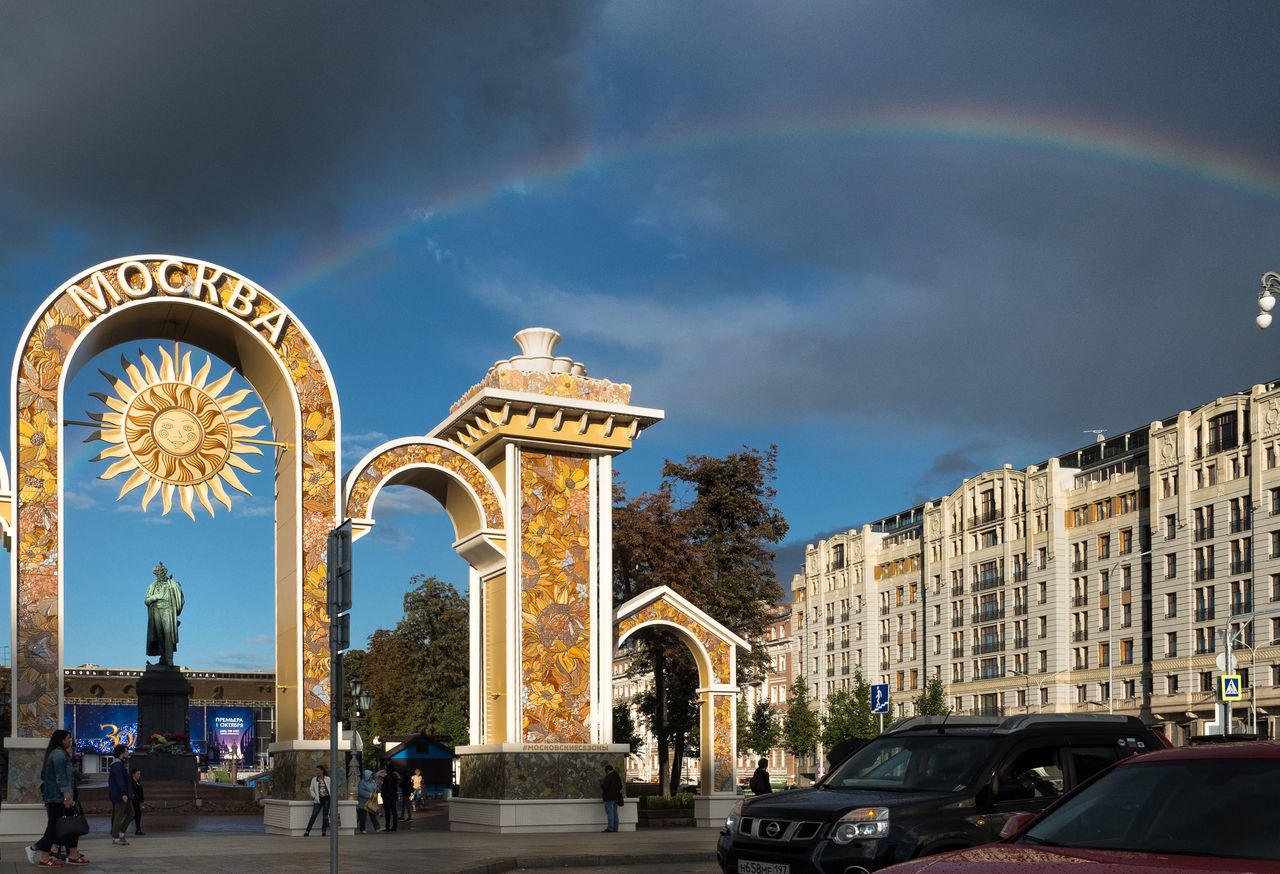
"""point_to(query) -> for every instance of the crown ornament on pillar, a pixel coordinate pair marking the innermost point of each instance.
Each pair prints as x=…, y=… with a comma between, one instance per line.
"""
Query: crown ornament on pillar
x=537, y=347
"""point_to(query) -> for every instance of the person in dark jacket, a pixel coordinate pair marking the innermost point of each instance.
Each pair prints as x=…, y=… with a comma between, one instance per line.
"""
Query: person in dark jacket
x=611, y=791
x=760, y=784
x=390, y=797
x=120, y=790
x=137, y=802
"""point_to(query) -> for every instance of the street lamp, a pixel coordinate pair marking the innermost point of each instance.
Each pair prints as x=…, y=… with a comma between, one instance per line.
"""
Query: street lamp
x=1039, y=687
x=1267, y=298
x=363, y=700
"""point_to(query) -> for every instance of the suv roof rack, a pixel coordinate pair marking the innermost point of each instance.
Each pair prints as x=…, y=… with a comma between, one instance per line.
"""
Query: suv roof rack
x=1005, y=724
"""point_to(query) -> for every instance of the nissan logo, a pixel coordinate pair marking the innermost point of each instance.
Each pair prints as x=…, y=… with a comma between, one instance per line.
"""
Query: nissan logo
x=773, y=829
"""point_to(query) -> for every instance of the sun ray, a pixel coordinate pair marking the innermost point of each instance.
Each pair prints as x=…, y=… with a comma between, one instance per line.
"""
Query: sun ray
x=153, y=489
x=216, y=387
x=124, y=391
x=200, y=377
x=152, y=376
x=135, y=377
x=215, y=486
x=185, y=374
x=139, y=477
x=232, y=480
x=202, y=492
x=184, y=499
x=236, y=461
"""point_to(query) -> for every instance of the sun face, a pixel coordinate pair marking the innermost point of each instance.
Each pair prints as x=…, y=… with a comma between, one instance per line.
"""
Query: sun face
x=170, y=429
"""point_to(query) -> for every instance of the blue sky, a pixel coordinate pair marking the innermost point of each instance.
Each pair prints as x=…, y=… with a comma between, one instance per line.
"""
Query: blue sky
x=906, y=242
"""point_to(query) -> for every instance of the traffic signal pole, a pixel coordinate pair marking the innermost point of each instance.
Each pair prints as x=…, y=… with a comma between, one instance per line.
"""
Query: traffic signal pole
x=338, y=600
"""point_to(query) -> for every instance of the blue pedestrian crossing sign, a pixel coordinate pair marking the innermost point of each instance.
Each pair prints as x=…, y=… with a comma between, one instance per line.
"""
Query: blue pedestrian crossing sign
x=880, y=698
x=1230, y=687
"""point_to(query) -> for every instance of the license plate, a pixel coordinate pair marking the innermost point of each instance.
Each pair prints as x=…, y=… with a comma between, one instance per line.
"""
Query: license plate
x=748, y=866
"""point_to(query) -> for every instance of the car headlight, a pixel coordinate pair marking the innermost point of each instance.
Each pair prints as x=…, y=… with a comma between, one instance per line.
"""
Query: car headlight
x=731, y=821
x=860, y=824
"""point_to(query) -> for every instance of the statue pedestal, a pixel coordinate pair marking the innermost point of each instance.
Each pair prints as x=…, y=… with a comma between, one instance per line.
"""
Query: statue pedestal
x=163, y=698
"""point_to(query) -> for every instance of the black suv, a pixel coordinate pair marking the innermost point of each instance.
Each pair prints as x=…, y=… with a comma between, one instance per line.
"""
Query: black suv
x=927, y=784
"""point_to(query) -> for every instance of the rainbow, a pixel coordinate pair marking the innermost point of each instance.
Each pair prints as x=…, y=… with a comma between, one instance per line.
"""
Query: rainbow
x=1138, y=149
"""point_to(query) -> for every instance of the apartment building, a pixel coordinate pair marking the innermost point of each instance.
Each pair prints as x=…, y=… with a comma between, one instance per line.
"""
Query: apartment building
x=1105, y=579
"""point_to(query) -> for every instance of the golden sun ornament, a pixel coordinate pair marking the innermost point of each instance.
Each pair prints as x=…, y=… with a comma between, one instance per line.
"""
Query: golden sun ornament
x=170, y=429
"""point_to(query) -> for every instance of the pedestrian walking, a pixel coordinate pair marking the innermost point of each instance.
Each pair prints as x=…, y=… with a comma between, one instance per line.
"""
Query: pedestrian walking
x=366, y=802
x=57, y=789
x=611, y=790
x=321, y=790
x=390, y=799
x=120, y=791
x=137, y=801
x=406, y=799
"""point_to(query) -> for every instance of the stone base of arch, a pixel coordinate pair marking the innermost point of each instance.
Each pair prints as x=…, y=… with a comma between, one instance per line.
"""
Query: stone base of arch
x=532, y=788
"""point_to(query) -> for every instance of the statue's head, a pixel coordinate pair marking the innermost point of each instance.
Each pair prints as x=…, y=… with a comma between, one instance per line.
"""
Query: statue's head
x=160, y=571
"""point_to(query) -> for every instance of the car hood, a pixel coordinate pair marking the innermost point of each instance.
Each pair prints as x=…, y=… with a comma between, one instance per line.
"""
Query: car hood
x=827, y=805
x=1015, y=858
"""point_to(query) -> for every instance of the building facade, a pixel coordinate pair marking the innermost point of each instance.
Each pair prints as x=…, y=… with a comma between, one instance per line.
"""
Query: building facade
x=1107, y=579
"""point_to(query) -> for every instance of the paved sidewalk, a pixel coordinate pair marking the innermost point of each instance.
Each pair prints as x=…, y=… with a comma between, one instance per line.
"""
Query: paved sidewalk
x=198, y=844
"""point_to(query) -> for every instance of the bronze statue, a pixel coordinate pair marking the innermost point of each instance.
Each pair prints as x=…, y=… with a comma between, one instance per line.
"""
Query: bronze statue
x=164, y=604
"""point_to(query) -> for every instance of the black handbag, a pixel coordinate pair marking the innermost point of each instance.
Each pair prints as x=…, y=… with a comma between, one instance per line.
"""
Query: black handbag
x=70, y=825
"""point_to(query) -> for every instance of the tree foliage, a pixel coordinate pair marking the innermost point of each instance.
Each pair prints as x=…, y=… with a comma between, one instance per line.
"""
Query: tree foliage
x=624, y=729
x=764, y=732
x=714, y=549
x=849, y=714
x=800, y=727
x=932, y=701
x=417, y=671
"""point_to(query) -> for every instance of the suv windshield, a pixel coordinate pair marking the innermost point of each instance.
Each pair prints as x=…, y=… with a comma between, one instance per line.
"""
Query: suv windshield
x=1203, y=807
x=914, y=763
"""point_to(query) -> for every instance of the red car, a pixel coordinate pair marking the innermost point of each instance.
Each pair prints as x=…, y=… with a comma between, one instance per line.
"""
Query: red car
x=1201, y=809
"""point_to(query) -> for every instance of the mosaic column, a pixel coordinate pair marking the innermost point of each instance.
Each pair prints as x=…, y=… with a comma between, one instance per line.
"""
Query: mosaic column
x=544, y=624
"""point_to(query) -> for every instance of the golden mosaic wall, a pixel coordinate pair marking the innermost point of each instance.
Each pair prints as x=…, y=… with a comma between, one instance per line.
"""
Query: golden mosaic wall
x=555, y=577
x=723, y=778
x=42, y=359
x=387, y=463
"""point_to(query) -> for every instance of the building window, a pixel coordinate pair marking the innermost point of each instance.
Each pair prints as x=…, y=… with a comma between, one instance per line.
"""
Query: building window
x=1170, y=565
x=1171, y=605
x=1171, y=643
x=1171, y=683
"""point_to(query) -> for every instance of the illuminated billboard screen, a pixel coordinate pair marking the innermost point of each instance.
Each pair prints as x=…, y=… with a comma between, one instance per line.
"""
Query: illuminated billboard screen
x=215, y=730
x=99, y=727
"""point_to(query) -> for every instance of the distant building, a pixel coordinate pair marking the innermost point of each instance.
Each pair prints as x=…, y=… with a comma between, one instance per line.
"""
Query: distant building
x=1107, y=578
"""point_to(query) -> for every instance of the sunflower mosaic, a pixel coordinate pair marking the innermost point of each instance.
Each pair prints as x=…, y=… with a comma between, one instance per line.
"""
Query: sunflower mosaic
x=555, y=556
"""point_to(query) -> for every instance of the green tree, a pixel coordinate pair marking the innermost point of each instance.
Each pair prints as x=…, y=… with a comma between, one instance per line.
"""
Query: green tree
x=714, y=549
x=624, y=729
x=417, y=671
x=933, y=700
x=800, y=727
x=765, y=733
x=743, y=719
x=849, y=714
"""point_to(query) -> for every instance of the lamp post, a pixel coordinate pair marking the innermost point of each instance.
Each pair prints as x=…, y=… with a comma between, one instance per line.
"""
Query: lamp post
x=1039, y=686
x=363, y=700
x=1267, y=298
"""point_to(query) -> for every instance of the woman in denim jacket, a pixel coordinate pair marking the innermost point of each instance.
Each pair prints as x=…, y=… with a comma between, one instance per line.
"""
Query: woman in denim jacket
x=58, y=790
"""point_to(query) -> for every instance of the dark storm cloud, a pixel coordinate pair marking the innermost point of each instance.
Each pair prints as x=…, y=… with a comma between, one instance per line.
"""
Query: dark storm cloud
x=1039, y=287
x=172, y=120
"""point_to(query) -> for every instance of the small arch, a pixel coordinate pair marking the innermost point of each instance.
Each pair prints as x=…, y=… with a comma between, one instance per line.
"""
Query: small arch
x=465, y=488
x=714, y=649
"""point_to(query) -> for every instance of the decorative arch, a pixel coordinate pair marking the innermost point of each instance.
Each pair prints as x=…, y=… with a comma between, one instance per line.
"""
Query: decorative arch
x=714, y=649
x=197, y=303
x=465, y=488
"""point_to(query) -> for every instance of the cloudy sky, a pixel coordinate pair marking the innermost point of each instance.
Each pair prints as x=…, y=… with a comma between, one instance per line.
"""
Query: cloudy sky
x=905, y=241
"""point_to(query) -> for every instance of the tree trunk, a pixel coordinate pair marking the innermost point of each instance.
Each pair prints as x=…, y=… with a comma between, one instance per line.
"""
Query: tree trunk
x=660, y=720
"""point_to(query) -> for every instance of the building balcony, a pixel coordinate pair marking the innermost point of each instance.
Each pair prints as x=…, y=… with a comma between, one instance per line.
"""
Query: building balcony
x=957, y=652
x=831, y=645
x=1080, y=601
x=1080, y=565
x=987, y=615
x=1238, y=525
x=1240, y=607
x=1019, y=608
x=1203, y=532
x=957, y=622
x=1204, y=572
x=1241, y=566
x=987, y=646
x=958, y=590
x=1204, y=614
x=884, y=638
x=990, y=581
x=831, y=619
x=884, y=666
x=1079, y=636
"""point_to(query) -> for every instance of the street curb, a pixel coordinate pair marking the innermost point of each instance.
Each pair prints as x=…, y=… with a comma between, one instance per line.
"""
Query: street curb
x=582, y=860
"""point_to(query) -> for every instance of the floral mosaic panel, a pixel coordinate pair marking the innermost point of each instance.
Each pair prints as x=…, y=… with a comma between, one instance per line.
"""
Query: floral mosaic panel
x=663, y=610
x=725, y=751
x=555, y=576
x=560, y=385
x=387, y=463
x=37, y=414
